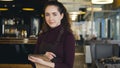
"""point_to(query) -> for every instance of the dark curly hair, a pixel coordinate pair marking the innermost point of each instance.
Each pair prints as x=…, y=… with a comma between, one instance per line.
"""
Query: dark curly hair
x=65, y=21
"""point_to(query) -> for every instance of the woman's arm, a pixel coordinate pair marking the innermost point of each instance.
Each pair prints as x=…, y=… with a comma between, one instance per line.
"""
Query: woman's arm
x=69, y=51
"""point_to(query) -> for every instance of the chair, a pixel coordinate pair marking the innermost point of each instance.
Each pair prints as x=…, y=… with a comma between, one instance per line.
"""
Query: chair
x=99, y=51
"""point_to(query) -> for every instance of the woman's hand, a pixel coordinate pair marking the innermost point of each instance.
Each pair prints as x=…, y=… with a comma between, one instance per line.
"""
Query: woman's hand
x=35, y=59
x=41, y=61
x=50, y=55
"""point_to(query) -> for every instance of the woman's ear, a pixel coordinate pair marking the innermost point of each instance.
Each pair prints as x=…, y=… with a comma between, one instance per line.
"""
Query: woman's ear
x=62, y=15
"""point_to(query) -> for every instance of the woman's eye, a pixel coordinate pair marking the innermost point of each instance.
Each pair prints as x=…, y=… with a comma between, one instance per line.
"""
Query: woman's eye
x=46, y=14
x=54, y=14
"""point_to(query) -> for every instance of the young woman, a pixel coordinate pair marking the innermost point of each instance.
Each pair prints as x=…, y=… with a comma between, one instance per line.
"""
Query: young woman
x=56, y=40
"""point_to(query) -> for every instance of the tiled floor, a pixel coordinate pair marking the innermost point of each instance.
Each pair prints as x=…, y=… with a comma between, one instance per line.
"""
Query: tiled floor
x=79, y=58
x=79, y=61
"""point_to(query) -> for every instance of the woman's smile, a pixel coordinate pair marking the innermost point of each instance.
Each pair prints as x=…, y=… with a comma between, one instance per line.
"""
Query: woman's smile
x=53, y=16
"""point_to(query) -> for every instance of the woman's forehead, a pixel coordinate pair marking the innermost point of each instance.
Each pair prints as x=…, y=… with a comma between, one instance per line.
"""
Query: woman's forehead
x=51, y=8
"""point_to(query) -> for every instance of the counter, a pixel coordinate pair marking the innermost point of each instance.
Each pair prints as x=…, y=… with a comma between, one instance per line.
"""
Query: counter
x=14, y=50
x=15, y=40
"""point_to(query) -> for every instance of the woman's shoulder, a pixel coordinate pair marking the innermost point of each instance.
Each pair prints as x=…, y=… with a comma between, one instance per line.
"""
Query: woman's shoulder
x=68, y=33
x=41, y=35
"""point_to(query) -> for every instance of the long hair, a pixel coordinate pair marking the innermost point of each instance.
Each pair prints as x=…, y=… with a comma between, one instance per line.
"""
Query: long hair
x=65, y=21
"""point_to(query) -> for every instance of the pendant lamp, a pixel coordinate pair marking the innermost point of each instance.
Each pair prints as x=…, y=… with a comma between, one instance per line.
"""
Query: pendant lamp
x=6, y=0
x=102, y=1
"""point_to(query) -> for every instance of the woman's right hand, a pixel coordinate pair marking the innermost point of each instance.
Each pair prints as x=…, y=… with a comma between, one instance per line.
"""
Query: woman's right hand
x=50, y=55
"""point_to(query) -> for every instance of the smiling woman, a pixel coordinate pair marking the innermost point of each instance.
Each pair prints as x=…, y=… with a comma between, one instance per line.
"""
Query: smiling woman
x=52, y=16
x=56, y=40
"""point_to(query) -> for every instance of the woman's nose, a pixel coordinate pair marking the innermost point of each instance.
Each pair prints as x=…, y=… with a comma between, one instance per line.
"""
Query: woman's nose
x=51, y=17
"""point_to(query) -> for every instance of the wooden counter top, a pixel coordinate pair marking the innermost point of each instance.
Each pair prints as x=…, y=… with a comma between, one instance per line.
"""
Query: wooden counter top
x=14, y=40
x=15, y=66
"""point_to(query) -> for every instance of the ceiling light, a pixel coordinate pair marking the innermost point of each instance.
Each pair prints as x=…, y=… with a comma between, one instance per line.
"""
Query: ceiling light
x=77, y=12
x=73, y=17
x=6, y=0
x=3, y=9
x=102, y=1
x=28, y=9
x=94, y=9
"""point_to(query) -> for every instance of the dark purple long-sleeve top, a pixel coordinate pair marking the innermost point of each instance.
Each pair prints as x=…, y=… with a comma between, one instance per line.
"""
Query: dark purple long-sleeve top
x=65, y=49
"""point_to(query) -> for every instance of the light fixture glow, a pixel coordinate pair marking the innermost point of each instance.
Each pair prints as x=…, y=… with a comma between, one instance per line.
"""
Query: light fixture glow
x=77, y=12
x=94, y=9
x=6, y=0
x=102, y=1
x=73, y=17
x=28, y=9
x=3, y=9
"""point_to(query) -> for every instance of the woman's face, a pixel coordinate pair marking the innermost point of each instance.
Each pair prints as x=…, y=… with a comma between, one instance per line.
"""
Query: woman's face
x=53, y=16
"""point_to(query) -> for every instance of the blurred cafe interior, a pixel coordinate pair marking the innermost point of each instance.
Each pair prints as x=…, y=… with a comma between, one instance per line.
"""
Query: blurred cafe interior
x=95, y=25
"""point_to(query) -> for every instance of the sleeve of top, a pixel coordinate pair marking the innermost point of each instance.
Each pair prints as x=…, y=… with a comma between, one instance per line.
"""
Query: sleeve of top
x=36, y=49
x=69, y=50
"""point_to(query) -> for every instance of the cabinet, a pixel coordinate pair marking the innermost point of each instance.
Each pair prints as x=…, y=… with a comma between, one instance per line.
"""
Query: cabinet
x=14, y=27
x=9, y=26
x=20, y=27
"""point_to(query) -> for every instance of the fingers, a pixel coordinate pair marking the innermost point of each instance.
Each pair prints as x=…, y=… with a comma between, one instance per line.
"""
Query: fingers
x=35, y=59
x=31, y=58
x=50, y=55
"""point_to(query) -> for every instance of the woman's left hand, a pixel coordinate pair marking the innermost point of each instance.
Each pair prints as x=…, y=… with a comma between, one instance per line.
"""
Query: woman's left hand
x=50, y=55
